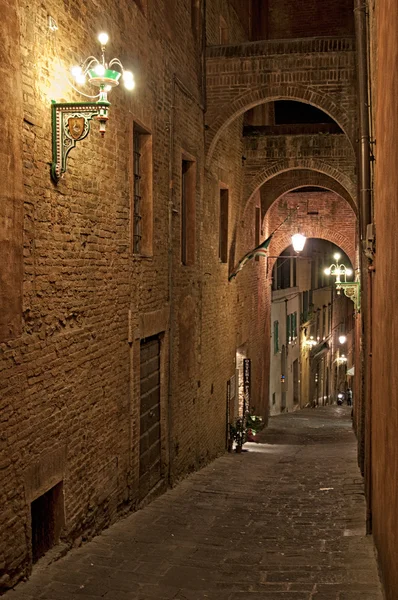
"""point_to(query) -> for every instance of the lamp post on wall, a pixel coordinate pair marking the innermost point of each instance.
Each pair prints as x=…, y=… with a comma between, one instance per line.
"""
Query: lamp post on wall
x=351, y=289
x=71, y=120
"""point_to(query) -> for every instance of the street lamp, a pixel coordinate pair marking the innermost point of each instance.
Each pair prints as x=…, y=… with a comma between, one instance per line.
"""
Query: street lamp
x=338, y=270
x=71, y=120
x=342, y=339
x=298, y=241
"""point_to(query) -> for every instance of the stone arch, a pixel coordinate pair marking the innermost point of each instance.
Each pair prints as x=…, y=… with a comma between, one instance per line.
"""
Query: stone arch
x=227, y=113
x=335, y=221
x=308, y=164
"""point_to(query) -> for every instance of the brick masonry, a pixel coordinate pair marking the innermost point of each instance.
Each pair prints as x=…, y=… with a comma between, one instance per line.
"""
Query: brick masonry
x=267, y=156
x=382, y=415
x=317, y=71
x=69, y=369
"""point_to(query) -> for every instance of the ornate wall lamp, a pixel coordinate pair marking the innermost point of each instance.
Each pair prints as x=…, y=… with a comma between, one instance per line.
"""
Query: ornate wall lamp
x=71, y=120
x=351, y=289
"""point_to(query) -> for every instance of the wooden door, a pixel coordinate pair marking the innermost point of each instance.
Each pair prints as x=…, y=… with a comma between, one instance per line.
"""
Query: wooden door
x=150, y=448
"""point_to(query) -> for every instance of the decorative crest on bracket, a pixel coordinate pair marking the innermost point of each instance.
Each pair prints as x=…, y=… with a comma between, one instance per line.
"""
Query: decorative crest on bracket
x=351, y=289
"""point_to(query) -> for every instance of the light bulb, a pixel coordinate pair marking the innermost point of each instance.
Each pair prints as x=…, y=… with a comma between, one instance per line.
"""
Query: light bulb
x=348, y=271
x=76, y=71
x=81, y=79
x=99, y=69
x=103, y=38
x=129, y=84
x=327, y=271
x=298, y=241
x=127, y=76
x=342, y=339
x=336, y=256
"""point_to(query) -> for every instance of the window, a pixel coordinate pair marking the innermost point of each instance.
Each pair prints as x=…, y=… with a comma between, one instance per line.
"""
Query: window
x=291, y=327
x=329, y=318
x=283, y=266
x=305, y=307
x=294, y=325
x=294, y=261
x=276, y=337
x=142, y=209
x=318, y=318
x=288, y=329
x=223, y=226
x=188, y=207
x=257, y=224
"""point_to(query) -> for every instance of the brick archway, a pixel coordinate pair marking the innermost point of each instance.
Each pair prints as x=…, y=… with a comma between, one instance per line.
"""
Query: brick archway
x=283, y=241
x=286, y=182
x=308, y=164
x=335, y=222
x=230, y=111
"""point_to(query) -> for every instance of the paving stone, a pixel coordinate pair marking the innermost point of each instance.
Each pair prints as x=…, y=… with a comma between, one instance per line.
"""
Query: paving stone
x=255, y=526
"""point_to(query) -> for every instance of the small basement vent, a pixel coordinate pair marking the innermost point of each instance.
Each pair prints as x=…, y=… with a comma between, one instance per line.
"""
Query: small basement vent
x=47, y=513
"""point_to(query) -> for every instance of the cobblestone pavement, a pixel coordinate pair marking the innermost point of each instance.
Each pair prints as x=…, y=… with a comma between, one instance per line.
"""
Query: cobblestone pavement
x=282, y=521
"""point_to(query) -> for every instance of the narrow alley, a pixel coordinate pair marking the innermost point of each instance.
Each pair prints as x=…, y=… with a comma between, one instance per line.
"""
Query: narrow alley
x=284, y=519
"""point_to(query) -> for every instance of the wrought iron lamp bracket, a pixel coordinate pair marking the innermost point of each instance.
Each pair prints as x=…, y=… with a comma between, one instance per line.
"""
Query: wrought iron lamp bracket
x=71, y=124
x=351, y=289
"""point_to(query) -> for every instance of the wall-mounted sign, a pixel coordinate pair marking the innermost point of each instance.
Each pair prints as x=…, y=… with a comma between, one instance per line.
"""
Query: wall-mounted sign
x=247, y=380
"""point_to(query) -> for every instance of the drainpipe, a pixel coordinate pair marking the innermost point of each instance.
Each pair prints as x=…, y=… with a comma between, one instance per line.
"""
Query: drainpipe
x=171, y=282
x=365, y=210
x=365, y=218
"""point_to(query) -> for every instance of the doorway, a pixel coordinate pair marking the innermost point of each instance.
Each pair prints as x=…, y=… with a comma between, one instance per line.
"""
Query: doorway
x=296, y=382
x=283, y=379
x=150, y=445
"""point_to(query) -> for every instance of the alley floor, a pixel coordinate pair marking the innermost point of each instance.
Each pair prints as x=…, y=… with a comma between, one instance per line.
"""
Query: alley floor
x=284, y=520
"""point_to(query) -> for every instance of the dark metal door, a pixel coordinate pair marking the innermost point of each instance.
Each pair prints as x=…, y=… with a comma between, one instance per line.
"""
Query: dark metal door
x=150, y=464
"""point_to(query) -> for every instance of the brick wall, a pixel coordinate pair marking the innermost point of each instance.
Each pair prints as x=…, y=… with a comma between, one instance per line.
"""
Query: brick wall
x=309, y=18
x=384, y=413
x=335, y=221
x=70, y=383
x=266, y=156
x=318, y=71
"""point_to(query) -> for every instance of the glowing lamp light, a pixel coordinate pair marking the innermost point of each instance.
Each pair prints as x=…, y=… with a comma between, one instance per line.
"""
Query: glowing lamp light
x=76, y=71
x=99, y=69
x=298, y=241
x=81, y=79
x=337, y=256
x=342, y=339
x=311, y=342
x=103, y=38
